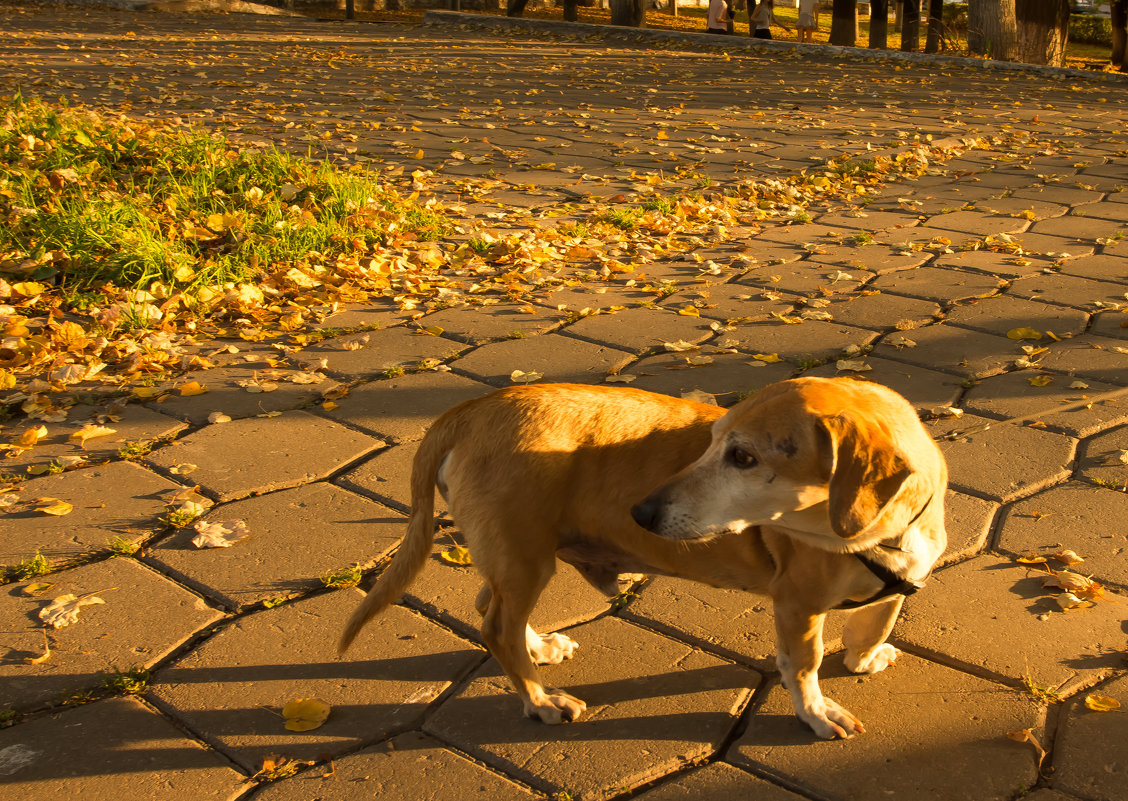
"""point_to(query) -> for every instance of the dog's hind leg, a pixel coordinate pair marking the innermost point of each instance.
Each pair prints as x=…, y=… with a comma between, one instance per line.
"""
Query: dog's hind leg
x=544, y=649
x=865, y=633
x=508, y=603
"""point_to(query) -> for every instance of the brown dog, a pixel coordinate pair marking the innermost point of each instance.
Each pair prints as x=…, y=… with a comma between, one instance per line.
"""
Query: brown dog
x=822, y=493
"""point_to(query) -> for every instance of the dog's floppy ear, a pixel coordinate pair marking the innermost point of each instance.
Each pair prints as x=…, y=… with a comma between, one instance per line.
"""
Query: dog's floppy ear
x=867, y=473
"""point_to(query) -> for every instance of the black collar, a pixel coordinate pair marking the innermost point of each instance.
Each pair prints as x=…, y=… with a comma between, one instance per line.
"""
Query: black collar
x=894, y=584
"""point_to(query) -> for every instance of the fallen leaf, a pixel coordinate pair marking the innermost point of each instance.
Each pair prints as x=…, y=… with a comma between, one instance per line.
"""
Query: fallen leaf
x=63, y=611
x=1024, y=333
x=182, y=469
x=1101, y=703
x=192, y=388
x=90, y=431
x=218, y=417
x=1030, y=559
x=767, y=358
x=1067, y=557
x=678, y=347
x=219, y=535
x=621, y=378
x=521, y=377
x=53, y=506
x=456, y=555
x=38, y=588
x=857, y=365
x=305, y=714
x=700, y=397
x=1027, y=736
x=1040, y=380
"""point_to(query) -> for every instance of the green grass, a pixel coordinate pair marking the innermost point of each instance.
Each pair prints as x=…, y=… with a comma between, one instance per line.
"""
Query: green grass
x=625, y=219
x=28, y=568
x=345, y=577
x=127, y=682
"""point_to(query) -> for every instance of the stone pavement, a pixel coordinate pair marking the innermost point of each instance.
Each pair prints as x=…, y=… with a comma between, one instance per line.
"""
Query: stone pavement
x=1017, y=222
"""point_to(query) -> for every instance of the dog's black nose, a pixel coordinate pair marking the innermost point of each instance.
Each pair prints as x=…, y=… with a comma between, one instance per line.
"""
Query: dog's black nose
x=646, y=512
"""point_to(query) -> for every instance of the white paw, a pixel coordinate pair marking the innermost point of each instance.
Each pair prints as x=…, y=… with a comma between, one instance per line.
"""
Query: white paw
x=830, y=721
x=874, y=661
x=557, y=707
x=549, y=649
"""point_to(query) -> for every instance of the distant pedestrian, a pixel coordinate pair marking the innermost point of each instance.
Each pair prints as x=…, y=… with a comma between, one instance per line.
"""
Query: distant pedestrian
x=808, y=19
x=762, y=19
x=720, y=17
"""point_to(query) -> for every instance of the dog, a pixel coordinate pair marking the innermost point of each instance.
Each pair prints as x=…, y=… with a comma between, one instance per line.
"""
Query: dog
x=821, y=493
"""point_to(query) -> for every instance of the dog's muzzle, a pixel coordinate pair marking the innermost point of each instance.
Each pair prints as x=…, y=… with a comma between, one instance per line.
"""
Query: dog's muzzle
x=648, y=513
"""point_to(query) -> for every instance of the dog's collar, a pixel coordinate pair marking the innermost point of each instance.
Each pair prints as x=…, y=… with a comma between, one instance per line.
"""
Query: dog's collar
x=893, y=584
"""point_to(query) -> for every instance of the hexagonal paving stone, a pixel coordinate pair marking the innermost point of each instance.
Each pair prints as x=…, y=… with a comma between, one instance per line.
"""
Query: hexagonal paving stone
x=256, y=455
x=555, y=357
x=729, y=377
x=1099, y=268
x=925, y=389
x=809, y=340
x=734, y=302
x=1005, y=461
x=717, y=782
x=1091, y=357
x=403, y=408
x=447, y=592
x=932, y=733
x=131, y=424
x=1076, y=226
x=594, y=297
x=869, y=256
x=996, y=264
x=297, y=536
x=412, y=766
x=1089, y=756
x=883, y=312
x=1110, y=324
x=978, y=223
x=939, y=285
x=869, y=220
x=370, y=353
x=995, y=600
x=119, y=499
x=386, y=477
x=1053, y=247
x=968, y=521
x=1086, y=519
x=640, y=330
x=231, y=688
x=1099, y=459
x=802, y=233
x=1012, y=395
x=113, y=749
x=1069, y=290
x=475, y=324
x=805, y=278
x=124, y=633
x=957, y=350
x=225, y=394
x=647, y=715
x=1002, y=314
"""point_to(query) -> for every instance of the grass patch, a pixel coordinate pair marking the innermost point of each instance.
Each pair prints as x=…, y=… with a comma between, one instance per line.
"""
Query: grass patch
x=128, y=682
x=625, y=219
x=120, y=546
x=28, y=568
x=345, y=577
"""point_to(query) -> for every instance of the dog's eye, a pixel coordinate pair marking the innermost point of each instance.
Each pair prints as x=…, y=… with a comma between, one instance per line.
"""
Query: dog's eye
x=740, y=458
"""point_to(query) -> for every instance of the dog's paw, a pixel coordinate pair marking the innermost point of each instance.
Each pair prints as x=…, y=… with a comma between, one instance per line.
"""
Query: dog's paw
x=831, y=721
x=556, y=707
x=873, y=661
x=549, y=649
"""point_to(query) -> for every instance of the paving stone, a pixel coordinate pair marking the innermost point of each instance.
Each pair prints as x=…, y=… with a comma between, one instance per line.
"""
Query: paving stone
x=447, y=592
x=371, y=353
x=386, y=477
x=1057, y=193
x=1041, y=209
x=811, y=339
x=869, y=220
x=953, y=349
x=122, y=634
x=717, y=782
x=113, y=749
x=119, y=499
x=225, y=395
x=913, y=711
x=1089, y=756
x=640, y=330
x=736, y=624
x=734, y=302
x=595, y=297
x=941, y=286
x=729, y=377
x=131, y=424
x=979, y=223
x=1068, y=290
x=1098, y=459
x=231, y=688
x=1004, y=462
x=803, y=234
x=1104, y=267
x=1083, y=518
x=924, y=389
x=296, y=536
x=256, y=455
x=1055, y=247
x=401, y=409
x=871, y=257
x=1012, y=395
x=411, y=766
x=1046, y=794
x=1091, y=357
x=478, y=324
x=370, y=316
x=1003, y=313
x=1004, y=265
x=555, y=357
x=1076, y=225
x=882, y=312
x=968, y=521
x=805, y=278
x=1107, y=211
x=992, y=615
x=681, y=703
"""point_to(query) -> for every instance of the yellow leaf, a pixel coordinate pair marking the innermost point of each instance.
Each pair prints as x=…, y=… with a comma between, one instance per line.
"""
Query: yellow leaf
x=53, y=506
x=1101, y=703
x=662, y=135
x=1030, y=559
x=767, y=358
x=456, y=555
x=193, y=388
x=418, y=154
x=29, y=288
x=1040, y=380
x=38, y=588
x=433, y=330
x=1067, y=557
x=305, y=714
x=90, y=431
x=1023, y=333
x=689, y=311
x=147, y=393
x=30, y=437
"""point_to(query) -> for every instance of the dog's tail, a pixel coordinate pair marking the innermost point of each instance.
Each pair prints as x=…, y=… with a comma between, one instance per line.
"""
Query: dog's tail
x=415, y=548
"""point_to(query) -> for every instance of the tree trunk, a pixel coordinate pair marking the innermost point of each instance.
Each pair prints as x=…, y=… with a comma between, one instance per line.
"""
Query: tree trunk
x=1043, y=30
x=879, y=24
x=628, y=12
x=571, y=14
x=910, y=26
x=515, y=8
x=1119, y=9
x=898, y=14
x=844, y=23
x=991, y=28
x=934, y=43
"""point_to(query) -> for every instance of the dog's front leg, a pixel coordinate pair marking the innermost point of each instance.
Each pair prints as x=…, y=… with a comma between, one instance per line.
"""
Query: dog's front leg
x=865, y=634
x=799, y=654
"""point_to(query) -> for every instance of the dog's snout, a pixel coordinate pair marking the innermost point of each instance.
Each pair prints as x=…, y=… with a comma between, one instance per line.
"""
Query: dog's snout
x=647, y=512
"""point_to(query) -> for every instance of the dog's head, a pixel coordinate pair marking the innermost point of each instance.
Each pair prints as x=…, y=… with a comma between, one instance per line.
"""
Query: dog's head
x=845, y=461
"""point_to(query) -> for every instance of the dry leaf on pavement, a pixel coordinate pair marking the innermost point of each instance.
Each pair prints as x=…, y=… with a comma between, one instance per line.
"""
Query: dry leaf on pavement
x=1101, y=703
x=456, y=555
x=219, y=535
x=305, y=714
x=63, y=611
